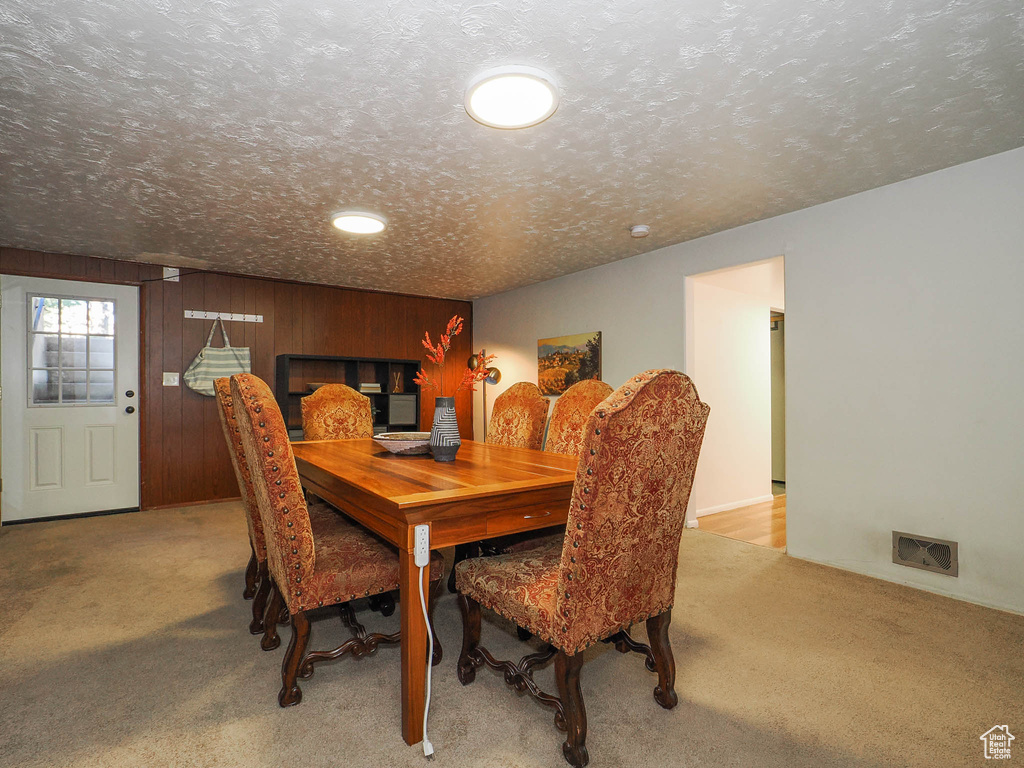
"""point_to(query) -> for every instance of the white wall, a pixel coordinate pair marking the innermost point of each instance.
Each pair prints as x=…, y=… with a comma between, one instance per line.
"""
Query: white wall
x=731, y=365
x=905, y=320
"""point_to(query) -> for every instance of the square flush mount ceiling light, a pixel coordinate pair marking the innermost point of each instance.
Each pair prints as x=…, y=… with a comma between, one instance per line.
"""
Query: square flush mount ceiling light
x=511, y=97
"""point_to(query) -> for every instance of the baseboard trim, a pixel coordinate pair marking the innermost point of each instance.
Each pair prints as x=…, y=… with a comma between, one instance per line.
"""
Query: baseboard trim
x=74, y=515
x=733, y=505
x=198, y=503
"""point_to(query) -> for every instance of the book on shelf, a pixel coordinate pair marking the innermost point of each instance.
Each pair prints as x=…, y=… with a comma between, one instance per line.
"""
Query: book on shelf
x=369, y=387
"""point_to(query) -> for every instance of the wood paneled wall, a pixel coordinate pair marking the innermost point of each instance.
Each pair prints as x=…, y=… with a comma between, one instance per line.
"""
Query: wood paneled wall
x=184, y=458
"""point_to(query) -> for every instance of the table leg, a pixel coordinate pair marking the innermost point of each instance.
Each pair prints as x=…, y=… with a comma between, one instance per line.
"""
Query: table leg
x=414, y=648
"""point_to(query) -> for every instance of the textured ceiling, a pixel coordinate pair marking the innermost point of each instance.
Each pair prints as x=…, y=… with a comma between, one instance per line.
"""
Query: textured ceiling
x=229, y=130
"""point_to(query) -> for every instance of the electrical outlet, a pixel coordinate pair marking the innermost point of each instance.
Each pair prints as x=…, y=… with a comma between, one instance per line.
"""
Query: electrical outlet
x=170, y=379
x=421, y=550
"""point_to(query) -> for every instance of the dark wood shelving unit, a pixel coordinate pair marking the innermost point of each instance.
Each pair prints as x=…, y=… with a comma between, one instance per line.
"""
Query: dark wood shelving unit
x=396, y=408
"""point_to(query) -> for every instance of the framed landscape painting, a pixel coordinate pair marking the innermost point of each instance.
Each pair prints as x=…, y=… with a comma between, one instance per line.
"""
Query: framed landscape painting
x=564, y=360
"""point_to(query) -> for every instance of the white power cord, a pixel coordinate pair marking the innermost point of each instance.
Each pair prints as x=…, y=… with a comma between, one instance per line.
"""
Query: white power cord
x=421, y=556
x=428, y=748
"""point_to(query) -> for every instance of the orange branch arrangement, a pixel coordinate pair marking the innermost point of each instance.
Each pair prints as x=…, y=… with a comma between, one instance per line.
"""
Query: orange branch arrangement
x=436, y=353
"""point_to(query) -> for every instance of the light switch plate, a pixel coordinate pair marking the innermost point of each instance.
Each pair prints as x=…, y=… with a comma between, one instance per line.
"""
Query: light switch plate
x=170, y=379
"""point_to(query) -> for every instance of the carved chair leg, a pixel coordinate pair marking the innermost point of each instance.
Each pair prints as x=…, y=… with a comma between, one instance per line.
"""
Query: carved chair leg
x=251, y=576
x=435, y=594
x=567, y=676
x=259, y=603
x=291, y=694
x=270, y=639
x=657, y=634
x=384, y=603
x=466, y=668
x=284, y=617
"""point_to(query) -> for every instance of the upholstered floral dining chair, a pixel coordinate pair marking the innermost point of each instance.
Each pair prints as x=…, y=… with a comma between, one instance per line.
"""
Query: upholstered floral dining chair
x=564, y=435
x=336, y=412
x=616, y=565
x=518, y=417
x=570, y=413
x=517, y=420
x=257, y=583
x=313, y=561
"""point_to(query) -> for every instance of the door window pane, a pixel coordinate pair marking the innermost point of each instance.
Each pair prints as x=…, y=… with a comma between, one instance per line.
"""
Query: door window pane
x=46, y=386
x=101, y=317
x=44, y=350
x=73, y=387
x=71, y=358
x=74, y=315
x=73, y=351
x=45, y=314
x=101, y=386
x=101, y=352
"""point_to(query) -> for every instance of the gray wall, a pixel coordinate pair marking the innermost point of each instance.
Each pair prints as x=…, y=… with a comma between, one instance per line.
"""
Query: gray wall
x=905, y=320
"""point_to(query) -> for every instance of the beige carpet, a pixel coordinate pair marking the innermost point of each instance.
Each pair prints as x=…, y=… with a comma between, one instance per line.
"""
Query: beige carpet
x=123, y=642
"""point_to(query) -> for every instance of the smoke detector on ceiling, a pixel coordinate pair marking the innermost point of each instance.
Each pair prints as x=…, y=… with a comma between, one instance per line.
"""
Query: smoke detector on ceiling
x=639, y=230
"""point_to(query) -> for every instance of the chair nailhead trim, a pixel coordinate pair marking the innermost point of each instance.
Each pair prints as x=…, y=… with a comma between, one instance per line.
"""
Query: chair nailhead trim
x=590, y=471
x=575, y=543
x=572, y=559
x=295, y=551
x=277, y=482
x=582, y=505
x=293, y=537
x=592, y=452
x=289, y=523
x=280, y=495
x=566, y=595
x=270, y=453
x=579, y=526
x=586, y=490
x=266, y=439
x=597, y=431
x=298, y=579
x=274, y=469
x=568, y=576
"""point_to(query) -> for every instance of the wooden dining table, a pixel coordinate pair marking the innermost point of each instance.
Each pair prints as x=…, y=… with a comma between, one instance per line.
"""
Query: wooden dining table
x=488, y=491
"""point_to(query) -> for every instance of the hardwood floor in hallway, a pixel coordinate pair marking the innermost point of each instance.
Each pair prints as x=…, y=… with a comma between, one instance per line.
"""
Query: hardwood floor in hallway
x=763, y=524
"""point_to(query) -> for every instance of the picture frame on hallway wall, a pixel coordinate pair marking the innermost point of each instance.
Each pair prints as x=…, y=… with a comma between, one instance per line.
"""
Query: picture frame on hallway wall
x=564, y=360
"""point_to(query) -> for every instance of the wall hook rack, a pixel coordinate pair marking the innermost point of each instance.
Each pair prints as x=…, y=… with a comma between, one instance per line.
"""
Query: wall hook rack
x=238, y=317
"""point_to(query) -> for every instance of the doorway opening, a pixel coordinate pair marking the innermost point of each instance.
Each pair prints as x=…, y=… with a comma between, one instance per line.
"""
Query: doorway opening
x=736, y=356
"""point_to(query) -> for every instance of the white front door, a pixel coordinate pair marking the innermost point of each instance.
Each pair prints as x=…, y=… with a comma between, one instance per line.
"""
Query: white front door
x=70, y=384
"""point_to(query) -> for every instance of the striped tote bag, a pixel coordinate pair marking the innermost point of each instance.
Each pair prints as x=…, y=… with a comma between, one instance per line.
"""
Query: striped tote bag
x=214, y=362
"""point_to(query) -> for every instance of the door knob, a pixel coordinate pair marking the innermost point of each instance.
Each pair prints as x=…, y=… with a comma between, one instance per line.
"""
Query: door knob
x=130, y=409
x=130, y=393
